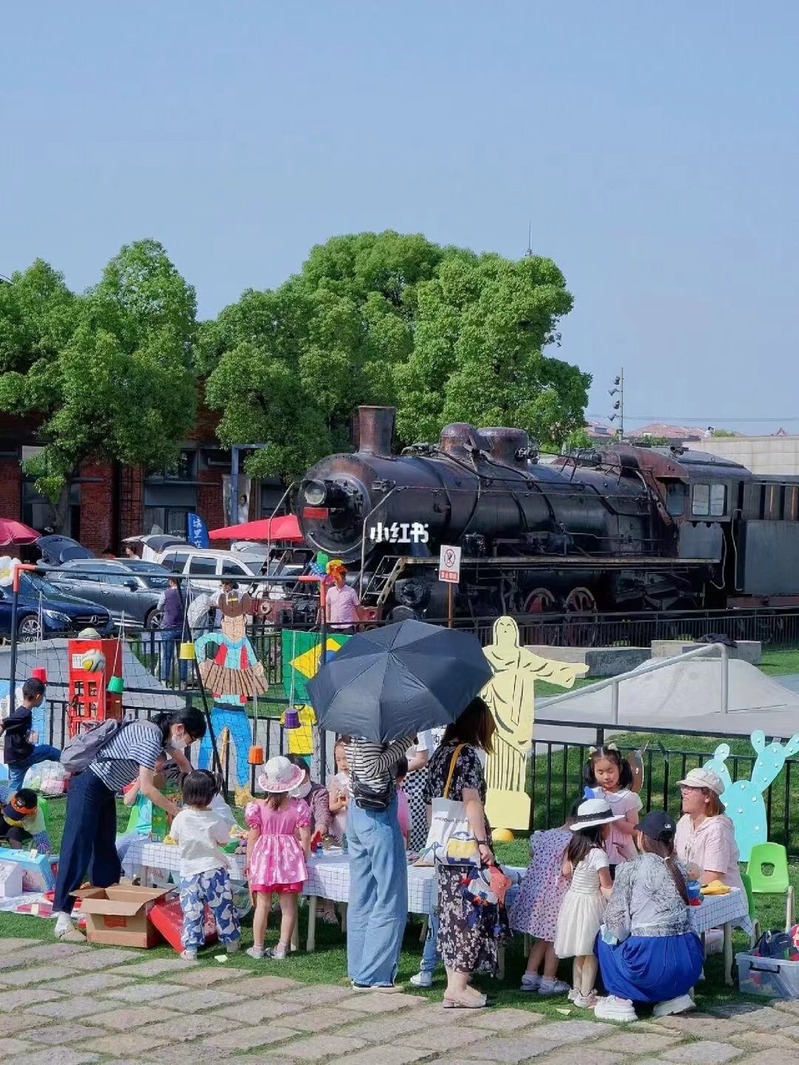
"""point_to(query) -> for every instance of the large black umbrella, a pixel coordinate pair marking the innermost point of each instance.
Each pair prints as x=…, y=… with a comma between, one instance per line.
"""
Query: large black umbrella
x=397, y=680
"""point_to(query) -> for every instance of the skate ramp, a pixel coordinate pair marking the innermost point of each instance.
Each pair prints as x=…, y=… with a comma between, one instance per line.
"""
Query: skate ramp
x=682, y=694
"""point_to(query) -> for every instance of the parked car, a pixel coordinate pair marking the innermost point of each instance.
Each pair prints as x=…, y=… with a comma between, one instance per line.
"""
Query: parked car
x=201, y=563
x=44, y=611
x=126, y=587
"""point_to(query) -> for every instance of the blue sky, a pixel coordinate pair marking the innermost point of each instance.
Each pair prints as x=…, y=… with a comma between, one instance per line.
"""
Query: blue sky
x=653, y=146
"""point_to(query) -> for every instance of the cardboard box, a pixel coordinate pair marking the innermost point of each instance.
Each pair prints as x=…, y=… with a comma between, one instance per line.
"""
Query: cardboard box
x=119, y=915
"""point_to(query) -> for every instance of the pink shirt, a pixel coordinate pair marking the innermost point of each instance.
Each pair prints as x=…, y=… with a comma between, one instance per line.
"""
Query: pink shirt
x=619, y=845
x=711, y=845
x=342, y=605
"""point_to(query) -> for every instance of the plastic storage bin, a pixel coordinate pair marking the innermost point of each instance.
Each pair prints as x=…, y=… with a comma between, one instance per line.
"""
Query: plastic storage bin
x=770, y=977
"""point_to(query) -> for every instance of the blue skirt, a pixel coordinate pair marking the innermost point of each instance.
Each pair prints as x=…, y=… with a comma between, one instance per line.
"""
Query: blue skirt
x=651, y=968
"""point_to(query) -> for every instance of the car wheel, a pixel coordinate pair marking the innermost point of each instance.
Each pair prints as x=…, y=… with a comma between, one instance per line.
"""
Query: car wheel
x=29, y=629
x=153, y=619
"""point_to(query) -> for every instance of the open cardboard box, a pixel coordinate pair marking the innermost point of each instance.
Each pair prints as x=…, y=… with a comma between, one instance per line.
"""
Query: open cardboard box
x=119, y=914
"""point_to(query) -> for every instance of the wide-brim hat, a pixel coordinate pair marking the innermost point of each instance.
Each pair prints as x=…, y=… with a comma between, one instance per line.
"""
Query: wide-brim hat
x=280, y=775
x=703, y=778
x=594, y=812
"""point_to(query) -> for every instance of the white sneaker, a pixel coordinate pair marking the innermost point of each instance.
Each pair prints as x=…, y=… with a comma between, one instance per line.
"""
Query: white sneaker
x=189, y=955
x=63, y=926
x=255, y=952
x=680, y=1004
x=586, y=1002
x=573, y=995
x=530, y=982
x=615, y=1009
x=421, y=979
x=551, y=987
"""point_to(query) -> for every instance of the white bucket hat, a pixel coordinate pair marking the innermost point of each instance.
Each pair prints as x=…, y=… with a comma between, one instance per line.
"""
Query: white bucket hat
x=280, y=775
x=703, y=778
x=594, y=812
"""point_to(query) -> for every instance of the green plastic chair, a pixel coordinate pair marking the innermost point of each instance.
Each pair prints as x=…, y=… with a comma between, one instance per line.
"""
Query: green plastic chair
x=776, y=882
x=44, y=807
x=755, y=933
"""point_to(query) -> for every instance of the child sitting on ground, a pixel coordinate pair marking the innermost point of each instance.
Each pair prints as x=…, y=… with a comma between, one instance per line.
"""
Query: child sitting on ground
x=22, y=821
x=204, y=881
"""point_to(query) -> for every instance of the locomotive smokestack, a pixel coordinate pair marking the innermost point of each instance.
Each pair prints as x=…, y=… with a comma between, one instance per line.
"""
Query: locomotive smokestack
x=376, y=430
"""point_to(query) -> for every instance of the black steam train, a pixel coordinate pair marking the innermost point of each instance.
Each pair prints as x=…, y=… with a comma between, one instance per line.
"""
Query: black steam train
x=619, y=528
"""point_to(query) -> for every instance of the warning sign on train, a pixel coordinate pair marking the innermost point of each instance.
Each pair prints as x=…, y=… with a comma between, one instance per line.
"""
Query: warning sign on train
x=449, y=565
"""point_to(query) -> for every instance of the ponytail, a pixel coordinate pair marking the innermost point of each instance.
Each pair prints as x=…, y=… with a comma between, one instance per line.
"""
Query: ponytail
x=665, y=851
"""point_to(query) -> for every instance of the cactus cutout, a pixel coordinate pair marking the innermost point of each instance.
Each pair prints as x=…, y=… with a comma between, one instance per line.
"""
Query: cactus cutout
x=743, y=799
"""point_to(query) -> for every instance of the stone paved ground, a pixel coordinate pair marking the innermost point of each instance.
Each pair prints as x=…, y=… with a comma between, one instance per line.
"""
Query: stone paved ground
x=70, y=1004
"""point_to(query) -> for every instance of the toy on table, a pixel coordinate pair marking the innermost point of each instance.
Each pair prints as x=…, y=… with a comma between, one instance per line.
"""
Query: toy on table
x=693, y=884
x=160, y=819
x=715, y=887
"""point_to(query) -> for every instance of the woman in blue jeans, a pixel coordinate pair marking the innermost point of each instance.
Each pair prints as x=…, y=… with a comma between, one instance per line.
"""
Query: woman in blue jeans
x=378, y=902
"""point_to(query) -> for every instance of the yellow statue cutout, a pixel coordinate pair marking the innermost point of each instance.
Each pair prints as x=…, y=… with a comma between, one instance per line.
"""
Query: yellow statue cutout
x=510, y=695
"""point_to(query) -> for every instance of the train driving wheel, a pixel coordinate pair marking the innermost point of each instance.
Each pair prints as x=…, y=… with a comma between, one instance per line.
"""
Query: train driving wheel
x=540, y=601
x=580, y=624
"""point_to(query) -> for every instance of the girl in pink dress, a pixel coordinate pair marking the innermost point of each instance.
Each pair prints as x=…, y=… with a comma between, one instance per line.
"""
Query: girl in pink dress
x=277, y=848
x=610, y=777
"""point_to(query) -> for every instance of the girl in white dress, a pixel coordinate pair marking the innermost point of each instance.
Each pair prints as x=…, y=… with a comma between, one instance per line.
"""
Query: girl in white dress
x=586, y=863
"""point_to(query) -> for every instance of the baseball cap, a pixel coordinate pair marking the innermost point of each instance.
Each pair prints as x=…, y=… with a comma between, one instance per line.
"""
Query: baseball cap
x=703, y=778
x=658, y=825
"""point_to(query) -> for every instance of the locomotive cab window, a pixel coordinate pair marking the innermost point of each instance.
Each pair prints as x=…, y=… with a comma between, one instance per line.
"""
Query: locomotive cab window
x=675, y=498
x=709, y=500
x=718, y=500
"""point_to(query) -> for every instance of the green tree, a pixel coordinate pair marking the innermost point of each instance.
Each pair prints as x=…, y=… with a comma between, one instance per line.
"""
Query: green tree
x=442, y=334
x=108, y=374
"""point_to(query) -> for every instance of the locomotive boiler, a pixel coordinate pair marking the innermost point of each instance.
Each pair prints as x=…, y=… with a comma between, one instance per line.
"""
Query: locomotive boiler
x=617, y=528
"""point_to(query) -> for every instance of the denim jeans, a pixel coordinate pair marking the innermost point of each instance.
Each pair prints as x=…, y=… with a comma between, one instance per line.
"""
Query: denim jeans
x=430, y=955
x=167, y=640
x=378, y=903
x=42, y=753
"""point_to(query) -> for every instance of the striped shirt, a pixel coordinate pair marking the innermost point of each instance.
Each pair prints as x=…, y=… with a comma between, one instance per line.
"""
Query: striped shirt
x=138, y=743
x=373, y=763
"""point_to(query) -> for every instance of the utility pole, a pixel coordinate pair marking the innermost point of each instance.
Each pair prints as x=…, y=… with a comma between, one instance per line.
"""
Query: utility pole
x=618, y=406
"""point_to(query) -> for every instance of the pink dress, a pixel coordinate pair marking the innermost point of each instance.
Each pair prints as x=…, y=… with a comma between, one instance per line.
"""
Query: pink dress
x=535, y=911
x=620, y=846
x=277, y=862
x=403, y=813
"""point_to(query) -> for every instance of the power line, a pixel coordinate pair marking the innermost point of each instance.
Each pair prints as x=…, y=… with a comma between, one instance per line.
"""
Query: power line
x=709, y=418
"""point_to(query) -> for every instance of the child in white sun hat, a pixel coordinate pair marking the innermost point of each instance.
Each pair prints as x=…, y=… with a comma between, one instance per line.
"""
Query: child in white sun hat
x=277, y=848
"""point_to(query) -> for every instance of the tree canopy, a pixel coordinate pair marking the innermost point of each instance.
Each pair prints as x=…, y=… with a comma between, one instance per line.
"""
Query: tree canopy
x=441, y=333
x=108, y=373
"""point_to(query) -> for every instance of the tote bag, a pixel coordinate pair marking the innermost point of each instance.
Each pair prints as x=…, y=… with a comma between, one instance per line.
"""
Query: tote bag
x=450, y=839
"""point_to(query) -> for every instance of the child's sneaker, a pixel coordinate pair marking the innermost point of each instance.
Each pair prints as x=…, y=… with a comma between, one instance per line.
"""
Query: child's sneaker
x=189, y=955
x=551, y=987
x=276, y=953
x=421, y=979
x=530, y=982
x=585, y=1002
x=573, y=994
x=234, y=947
x=255, y=952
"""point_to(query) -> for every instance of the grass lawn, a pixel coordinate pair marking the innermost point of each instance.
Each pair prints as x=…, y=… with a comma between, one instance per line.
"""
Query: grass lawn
x=328, y=963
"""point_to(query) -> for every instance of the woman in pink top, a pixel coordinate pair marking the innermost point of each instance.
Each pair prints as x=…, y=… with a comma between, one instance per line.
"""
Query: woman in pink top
x=705, y=836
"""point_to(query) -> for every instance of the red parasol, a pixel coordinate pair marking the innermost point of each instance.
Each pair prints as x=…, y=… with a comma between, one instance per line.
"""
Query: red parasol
x=284, y=528
x=15, y=532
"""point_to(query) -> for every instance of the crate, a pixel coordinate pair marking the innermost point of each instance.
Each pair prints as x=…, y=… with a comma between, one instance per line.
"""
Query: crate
x=769, y=977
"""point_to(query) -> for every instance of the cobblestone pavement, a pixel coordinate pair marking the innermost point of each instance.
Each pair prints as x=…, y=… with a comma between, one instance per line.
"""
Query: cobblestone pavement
x=69, y=1004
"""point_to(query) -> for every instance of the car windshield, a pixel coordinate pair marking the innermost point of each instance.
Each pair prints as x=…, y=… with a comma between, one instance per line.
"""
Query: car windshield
x=151, y=573
x=32, y=585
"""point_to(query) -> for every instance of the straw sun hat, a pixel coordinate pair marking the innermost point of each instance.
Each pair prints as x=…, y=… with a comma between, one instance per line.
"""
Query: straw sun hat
x=280, y=775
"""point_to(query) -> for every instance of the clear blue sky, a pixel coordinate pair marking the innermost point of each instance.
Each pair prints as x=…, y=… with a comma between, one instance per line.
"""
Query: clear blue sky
x=653, y=145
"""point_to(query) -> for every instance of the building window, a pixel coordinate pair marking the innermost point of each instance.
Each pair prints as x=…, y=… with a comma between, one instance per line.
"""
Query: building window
x=183, y=469
x=40, y=514
x=171, y=520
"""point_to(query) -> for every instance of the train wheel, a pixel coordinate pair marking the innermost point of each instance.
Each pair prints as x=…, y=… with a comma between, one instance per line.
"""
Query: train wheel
x=540, y=601
x=580, y=624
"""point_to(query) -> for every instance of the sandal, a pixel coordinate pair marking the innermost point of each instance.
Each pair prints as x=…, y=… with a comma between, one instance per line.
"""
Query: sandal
x=469, y=1002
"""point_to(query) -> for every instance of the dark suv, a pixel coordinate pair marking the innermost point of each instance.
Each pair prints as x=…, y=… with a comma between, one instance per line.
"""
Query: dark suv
x=43, y=611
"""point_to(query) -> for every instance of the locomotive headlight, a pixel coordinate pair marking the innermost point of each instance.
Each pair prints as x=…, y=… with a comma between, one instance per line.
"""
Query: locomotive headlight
x=315, y=493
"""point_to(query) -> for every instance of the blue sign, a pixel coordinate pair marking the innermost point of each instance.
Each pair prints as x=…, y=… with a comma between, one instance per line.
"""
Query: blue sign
x=196, y=531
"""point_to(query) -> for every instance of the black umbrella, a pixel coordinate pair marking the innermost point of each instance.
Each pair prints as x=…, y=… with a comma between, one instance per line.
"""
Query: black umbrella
x=397, y=680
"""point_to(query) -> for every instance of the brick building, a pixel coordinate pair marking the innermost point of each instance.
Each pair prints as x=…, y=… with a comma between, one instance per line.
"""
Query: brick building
x=108, y=501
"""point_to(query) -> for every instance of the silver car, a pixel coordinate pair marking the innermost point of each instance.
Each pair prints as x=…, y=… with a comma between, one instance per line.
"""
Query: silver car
x=125, y=587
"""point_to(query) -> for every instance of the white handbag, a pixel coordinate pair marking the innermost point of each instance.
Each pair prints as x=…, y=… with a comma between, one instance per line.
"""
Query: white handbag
x=450, y=839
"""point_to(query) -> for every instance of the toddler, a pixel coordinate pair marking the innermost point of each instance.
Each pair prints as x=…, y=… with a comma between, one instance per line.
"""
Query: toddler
x=610, y=776
x=22, y=821
x=586, y=864
x=278, y=846
x=204, y=881
x=339, y=788
x=535, y=911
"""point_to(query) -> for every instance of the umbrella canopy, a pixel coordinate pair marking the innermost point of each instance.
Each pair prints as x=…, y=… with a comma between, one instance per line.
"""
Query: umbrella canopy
x=285, y=527
x=397, y=680
x=15, y=532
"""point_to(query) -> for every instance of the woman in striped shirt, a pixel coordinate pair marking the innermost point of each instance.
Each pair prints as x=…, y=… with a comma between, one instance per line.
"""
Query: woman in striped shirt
x=378, y=902
x=89, y=841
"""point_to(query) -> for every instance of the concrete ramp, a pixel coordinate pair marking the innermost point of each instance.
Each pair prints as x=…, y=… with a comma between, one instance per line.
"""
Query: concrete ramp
x=681, y=694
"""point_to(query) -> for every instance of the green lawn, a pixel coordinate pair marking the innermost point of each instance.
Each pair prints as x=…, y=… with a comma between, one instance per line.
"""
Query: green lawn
x=328, y=963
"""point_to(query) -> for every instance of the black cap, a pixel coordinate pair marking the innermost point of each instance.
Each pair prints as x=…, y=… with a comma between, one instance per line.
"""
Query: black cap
x=658, y=825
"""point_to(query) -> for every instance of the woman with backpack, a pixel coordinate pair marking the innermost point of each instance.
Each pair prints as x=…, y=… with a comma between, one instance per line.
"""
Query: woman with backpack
x=89, y=840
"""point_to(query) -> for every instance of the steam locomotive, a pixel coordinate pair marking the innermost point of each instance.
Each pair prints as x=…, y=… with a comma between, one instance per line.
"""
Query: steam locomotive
x=618, y=528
